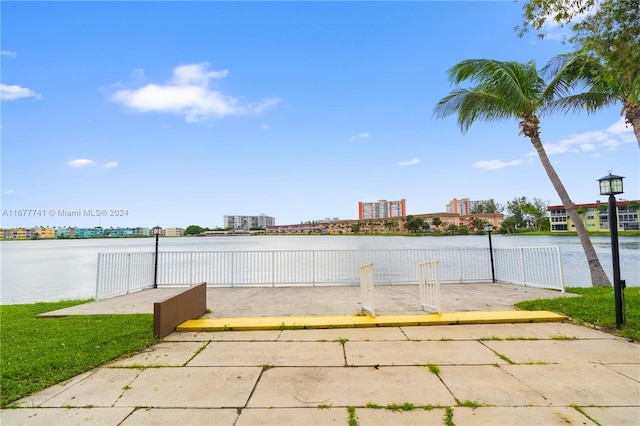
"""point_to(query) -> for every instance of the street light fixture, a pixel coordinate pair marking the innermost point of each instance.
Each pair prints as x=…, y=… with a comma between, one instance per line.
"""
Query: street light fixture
x=156, y=231
x=611, y=185
x=489, y=229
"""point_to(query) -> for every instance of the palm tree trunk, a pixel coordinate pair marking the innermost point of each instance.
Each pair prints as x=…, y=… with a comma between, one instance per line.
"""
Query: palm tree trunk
x=598, y=276
x=632, y=116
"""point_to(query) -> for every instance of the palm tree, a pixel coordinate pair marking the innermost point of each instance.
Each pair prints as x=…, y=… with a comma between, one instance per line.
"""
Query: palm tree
x=576, y=70
x=512, y=90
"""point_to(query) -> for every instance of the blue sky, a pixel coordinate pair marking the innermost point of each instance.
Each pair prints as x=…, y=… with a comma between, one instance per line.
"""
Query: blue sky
x=182, y=112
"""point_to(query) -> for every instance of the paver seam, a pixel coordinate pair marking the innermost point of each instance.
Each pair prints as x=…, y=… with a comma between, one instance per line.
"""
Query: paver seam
x=255, y=386
x=127, y=387
x=525, y=384
x=198, y=351
x=619, y=372
x=63, y=388
x=448, y=389
x=498, y=354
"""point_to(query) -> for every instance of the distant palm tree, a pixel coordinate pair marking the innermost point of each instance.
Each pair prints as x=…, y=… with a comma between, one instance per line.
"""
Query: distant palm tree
x=513, y=90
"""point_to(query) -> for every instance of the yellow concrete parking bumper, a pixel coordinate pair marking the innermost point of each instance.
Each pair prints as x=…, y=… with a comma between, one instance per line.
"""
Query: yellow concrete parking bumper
x=351, y=321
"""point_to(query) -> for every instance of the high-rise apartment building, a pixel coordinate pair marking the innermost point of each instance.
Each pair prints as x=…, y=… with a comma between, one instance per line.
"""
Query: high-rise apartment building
x=381, y=209
x=465, y=206
x=248, y=222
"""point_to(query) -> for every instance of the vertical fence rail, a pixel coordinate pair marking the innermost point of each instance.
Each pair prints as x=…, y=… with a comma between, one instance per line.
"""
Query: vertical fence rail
x=119, y=273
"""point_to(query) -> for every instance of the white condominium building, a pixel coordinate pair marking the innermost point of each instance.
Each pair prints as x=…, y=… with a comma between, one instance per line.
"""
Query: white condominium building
x=248, y=222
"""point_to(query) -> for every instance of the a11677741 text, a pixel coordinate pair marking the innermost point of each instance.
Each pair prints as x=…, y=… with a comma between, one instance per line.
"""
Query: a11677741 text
x=64, y=212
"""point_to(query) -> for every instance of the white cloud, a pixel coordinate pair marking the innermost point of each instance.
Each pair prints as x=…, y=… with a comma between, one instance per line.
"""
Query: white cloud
x=619, y=127
x=267, y=103
x=590, y=141
x=411, y=162
x=359, y=136
x=188, y=93
x=7, y=53
x=13, y=92
x=111, y=165
x=487, y=165
x=9, y=192
x=81, y=162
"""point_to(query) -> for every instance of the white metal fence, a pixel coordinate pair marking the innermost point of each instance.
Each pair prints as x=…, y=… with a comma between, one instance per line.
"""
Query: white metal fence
x=429, y=282
x=366, y=289
x=120, y=273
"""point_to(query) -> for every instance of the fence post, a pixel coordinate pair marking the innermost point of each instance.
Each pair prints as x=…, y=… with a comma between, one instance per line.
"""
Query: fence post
x=560, y=269
x=98, y=276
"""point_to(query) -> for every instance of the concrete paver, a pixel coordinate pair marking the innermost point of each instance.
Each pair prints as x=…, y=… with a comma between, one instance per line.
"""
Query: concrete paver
x=351, y=334
x=346, y=386
x=549, y=330
x=567, y=351
x=581, y=384
x=205, y=336
x=191, y=387
x=165, y=354
x=101, y=389
x=619, y=416
x=39, y=398
x=632, y=370
x=519, y=416
x=419, y=353
x=416, y=417
x=490, y=385
x=181, y=416
x=95, y=416
x=468, y=332
x=270, y=353
x=293, y=416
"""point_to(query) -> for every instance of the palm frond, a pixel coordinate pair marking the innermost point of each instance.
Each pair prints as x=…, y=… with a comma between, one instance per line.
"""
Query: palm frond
x=502, y=90
x=586, y=101
x=570, y=73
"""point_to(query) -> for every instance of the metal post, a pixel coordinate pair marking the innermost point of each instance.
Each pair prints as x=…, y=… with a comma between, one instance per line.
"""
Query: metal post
x=493, y=271
x=155, y=269
x=615, y=254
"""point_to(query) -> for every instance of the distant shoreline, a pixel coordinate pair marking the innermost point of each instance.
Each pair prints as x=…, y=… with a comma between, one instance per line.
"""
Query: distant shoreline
x=419, y=234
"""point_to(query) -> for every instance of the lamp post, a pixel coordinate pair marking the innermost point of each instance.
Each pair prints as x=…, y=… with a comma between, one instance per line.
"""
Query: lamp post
x=156, y=231
x=611, y=185
x=488, y=229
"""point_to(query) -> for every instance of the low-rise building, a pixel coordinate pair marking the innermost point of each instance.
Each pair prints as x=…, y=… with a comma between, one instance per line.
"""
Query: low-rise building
x=172, y=232
x=386, y=225
x=595, y=217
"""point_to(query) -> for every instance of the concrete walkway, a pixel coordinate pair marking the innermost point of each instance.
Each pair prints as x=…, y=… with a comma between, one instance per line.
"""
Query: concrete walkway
x=504, y=374
x=225, y=302
x=552, y=373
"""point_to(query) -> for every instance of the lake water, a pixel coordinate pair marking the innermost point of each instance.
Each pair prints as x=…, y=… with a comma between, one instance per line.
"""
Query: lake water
x=51, y=270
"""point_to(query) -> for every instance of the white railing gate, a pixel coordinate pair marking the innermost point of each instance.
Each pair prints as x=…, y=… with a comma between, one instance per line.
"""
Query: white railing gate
x=366, y=289
x=429, y=279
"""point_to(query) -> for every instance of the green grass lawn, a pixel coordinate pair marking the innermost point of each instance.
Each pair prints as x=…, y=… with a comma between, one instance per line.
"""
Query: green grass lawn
x=596, y=307
x=39, y=352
